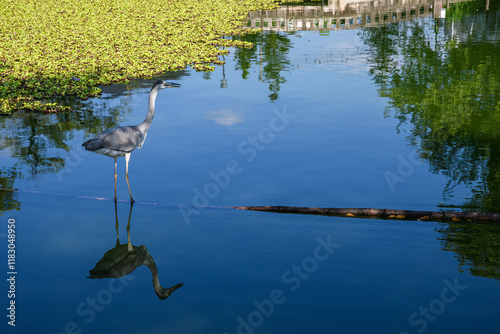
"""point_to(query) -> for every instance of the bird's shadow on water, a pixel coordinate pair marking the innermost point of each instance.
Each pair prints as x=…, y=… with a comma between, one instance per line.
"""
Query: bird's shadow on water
x=123, y=259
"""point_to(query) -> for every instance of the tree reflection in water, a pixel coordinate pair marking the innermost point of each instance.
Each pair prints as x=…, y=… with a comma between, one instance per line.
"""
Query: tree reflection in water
x=8, y=198
x=476, y=247
x=446, y=86
x=270, y=53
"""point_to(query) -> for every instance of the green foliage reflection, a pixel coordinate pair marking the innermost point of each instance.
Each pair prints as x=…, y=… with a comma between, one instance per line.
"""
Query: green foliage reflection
x=38, y=142
x=8, y=200
x=448, y=88
x=269, y=52
x=476, y=247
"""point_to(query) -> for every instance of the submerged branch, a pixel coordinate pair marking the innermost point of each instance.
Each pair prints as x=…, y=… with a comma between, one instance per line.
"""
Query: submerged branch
x=381, y=213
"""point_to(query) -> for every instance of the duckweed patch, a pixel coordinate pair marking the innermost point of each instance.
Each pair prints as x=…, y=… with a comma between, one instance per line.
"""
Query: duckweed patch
x=60, y=48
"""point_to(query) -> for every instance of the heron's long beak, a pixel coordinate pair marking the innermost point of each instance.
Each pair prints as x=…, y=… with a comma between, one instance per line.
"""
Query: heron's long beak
x=171, y=84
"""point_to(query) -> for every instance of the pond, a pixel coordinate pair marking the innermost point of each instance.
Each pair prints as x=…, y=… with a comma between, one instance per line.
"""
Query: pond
x=348, y=108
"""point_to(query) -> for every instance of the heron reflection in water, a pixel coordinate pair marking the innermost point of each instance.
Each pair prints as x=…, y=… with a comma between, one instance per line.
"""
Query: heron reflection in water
x=125, y=258
x=121, y=141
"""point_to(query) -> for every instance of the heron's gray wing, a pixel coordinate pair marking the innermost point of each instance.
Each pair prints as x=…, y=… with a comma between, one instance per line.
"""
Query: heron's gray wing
x=124, y=138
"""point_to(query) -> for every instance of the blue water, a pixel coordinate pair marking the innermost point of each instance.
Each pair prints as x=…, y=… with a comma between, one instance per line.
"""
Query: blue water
x=311, y=273
x=324, y=142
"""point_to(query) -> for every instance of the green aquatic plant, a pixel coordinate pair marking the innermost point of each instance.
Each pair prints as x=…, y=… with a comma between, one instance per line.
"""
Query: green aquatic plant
x=43, y=107
x=60, y=48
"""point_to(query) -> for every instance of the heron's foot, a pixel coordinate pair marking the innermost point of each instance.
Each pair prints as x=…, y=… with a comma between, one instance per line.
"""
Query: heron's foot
x=132, y=200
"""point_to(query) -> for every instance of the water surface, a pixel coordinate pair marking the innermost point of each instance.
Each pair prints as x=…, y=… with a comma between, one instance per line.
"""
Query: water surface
x=401, y=115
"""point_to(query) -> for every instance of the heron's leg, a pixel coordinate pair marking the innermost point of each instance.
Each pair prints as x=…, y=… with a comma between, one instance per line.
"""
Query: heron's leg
x=127, y=158
x=129, y=244
x=116, y=176
x=116, y=226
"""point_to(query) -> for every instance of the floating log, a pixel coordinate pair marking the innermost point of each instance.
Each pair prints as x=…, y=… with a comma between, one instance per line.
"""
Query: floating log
x=381, y=213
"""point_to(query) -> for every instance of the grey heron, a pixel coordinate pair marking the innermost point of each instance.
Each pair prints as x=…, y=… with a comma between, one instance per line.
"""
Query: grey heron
x=121, y=141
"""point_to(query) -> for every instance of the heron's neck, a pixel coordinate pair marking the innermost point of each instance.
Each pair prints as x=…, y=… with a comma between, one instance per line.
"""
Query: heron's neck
x=156, y=282
x=144, y=126
x=154, y=272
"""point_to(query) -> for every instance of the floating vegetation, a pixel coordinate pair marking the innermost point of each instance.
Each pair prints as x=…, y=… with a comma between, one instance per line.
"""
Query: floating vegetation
x=59, y=48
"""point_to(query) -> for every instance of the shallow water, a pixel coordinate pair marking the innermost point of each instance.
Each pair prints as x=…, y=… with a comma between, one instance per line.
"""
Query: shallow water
x=306, y=118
